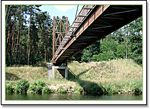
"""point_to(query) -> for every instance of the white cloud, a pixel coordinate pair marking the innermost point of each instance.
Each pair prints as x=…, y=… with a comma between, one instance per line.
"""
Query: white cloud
x=64, y=8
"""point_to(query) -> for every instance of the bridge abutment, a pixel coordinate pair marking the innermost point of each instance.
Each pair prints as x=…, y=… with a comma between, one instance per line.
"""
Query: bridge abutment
x=63, y=70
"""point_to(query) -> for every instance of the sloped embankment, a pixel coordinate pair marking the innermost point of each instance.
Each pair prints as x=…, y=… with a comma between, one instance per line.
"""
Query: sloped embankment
x=115, y=76
x=122, y=76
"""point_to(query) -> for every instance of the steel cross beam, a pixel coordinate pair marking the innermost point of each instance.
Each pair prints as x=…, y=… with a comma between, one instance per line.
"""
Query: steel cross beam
x=100, y=21
x=84, y=12
x=88, y=22
x=59, y=31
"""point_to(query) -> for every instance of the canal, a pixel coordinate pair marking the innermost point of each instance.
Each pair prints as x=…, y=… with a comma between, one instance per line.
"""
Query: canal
x=71, y=97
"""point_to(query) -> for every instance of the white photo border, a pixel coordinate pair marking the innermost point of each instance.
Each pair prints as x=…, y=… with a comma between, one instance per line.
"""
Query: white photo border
x=4, y=101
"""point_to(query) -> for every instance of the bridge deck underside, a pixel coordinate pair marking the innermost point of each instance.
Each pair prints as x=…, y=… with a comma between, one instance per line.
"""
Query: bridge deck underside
x=113, y=18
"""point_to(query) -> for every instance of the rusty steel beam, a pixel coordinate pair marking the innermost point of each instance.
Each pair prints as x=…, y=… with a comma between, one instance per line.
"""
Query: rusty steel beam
x=59, y=30
x=94, y=27
x=82, y=16
x=74, y=27
x=86, y=24
x=67, y=25
x=116, y=13
x=83, y=12
x=54, y=36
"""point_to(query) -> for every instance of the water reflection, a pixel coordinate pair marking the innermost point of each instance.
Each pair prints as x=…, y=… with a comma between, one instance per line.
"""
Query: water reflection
x=70, y=97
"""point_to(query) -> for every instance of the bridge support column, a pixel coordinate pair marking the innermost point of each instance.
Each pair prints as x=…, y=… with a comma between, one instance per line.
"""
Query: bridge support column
x=63, y=70
x=50, y=70
x=66, y=72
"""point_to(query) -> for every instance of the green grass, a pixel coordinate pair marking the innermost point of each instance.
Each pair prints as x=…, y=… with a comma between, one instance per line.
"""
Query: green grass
x=116, y=76
x=107, y=71
x=28, y=73
x=121, y=76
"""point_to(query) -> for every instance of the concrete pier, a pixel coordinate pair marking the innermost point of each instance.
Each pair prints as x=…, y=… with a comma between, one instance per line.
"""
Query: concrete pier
x=52, y=68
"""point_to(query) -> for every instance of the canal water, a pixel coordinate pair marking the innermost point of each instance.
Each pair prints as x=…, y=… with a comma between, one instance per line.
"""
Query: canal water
x=70, y=97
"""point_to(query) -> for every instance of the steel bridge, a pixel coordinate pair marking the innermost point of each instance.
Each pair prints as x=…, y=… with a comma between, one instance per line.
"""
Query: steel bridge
x=92, y=23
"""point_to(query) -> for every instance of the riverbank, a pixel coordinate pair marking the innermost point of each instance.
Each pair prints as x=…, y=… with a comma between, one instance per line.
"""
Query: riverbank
x=122, y=76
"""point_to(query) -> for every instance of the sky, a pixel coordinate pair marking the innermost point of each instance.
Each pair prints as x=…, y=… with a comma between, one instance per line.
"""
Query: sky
x=61, y=10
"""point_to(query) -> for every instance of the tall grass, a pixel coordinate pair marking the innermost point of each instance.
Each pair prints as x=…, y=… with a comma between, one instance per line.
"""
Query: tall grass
x=28, y=73
x=121, y=76
x=116, y=76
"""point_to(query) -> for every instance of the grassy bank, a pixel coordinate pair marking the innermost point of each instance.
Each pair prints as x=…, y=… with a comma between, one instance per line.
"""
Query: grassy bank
x=122, y=76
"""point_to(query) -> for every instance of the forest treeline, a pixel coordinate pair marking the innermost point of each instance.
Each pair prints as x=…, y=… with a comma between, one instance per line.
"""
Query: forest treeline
x=28, y=35
x=29, y=39
x=126, y=42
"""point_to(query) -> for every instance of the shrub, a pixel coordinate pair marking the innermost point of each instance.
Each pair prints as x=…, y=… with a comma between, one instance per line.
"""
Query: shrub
x=111, y=89
x=9, y=89
x=32, y=88
x=46, y=90
x=37, y=87
x=62, y=90
x=40, y=83
x=78, y=90
x=137, y=91
x=22, y=86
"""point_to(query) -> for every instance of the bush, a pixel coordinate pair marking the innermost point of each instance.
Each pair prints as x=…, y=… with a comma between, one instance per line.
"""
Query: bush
x=9, y=89
x=37, y=87
x=78, y=90
x=112, y=89
x=46, y=90
x=40, y=83
x=22, y=87
x=32, y=88
x=137, y=91
x=62, y=90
